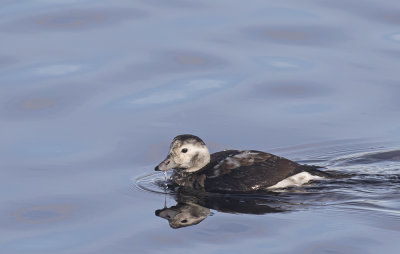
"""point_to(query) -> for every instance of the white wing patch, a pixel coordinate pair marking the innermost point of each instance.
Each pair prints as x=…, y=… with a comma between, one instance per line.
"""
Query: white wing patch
x=245, y=155
x=295, y=180
x=244, y=158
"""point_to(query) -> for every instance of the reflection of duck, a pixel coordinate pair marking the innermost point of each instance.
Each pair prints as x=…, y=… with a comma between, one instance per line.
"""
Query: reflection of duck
x=232, y=170
x=183, y=214
x=192, y=208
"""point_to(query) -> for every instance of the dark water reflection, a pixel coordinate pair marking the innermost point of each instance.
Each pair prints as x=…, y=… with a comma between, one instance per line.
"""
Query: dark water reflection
x=93, y=91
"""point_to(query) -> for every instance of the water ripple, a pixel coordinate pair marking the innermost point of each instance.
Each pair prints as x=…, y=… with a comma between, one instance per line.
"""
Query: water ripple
x=70, y=20
x=172, y=93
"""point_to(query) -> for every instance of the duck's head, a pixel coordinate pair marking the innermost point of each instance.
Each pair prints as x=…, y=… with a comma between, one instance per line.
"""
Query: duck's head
x=187, y=152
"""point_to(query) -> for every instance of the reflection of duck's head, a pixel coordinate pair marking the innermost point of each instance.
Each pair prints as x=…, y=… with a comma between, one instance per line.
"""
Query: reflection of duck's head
x=183, y=214
x=187, y=152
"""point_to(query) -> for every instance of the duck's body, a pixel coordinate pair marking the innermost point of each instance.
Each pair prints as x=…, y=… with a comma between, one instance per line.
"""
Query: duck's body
x=246, y=171
x=232, y=170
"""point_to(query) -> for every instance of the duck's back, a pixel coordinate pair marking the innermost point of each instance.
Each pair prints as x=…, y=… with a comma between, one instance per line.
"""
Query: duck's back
x=245, y=171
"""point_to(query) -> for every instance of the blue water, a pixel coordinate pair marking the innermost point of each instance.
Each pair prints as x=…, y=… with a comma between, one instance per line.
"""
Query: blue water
x=92, y=92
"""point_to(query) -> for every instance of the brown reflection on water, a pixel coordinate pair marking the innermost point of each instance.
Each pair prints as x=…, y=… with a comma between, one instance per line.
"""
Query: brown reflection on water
x=169, y=62
x=44, y=213
x=190, y=60
x=70, y=19
x=46, y=101
x=392, y=17
x=300, y=35
x=370, y=10
x=37, y=103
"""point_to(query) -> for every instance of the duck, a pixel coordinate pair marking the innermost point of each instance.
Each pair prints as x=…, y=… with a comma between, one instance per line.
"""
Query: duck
x=232, y=171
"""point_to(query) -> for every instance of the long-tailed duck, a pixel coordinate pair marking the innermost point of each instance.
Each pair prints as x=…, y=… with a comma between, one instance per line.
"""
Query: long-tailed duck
x=232, y=170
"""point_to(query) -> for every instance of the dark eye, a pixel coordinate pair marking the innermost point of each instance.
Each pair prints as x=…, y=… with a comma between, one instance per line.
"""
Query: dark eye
x=184, y=150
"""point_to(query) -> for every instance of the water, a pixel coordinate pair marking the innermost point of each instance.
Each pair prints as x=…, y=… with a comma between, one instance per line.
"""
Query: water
x=92, y=92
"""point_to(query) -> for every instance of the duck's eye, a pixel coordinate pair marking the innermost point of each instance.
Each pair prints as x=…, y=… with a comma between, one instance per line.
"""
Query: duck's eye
x=184, y=150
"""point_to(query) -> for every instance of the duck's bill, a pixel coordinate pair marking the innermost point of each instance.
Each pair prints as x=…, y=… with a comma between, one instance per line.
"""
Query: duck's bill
x=166, y=164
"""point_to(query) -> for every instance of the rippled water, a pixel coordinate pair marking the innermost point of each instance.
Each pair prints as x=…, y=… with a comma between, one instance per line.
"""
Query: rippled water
x=92, y=92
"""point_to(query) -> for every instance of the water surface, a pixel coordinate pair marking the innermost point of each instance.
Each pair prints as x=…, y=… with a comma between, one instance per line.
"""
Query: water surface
x=92, y=92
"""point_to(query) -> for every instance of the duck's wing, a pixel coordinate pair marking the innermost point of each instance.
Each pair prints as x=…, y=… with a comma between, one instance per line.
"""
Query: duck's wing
x=245, y=171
